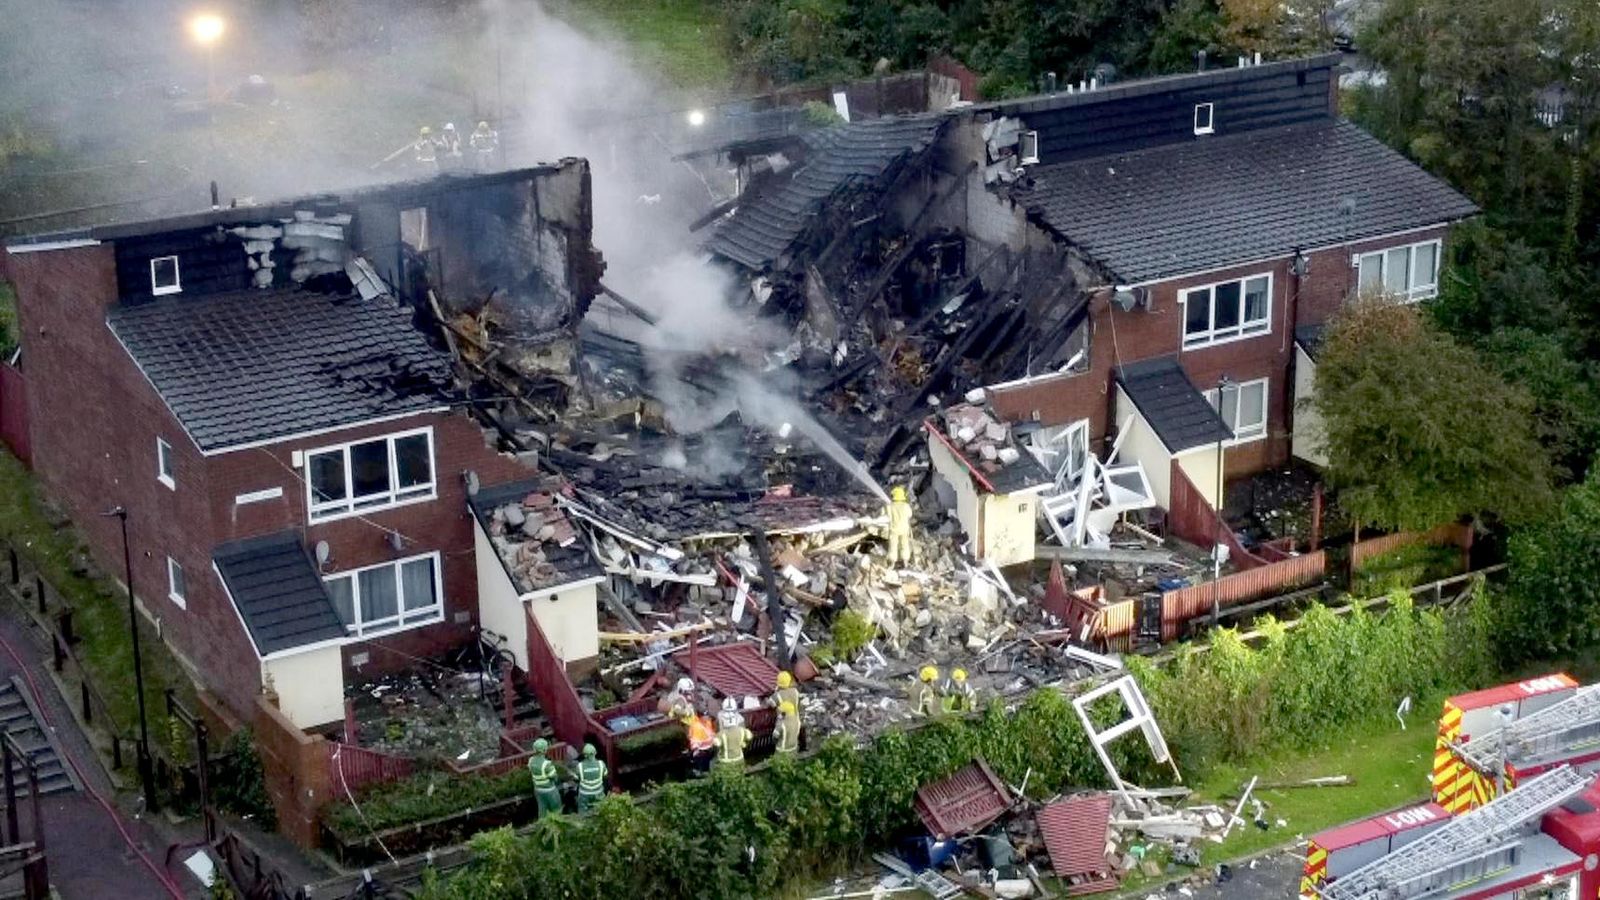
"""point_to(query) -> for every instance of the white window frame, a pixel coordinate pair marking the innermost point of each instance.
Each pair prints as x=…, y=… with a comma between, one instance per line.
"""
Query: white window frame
x=1415, y=291
x=177, y=584
x=1242, y=331
x=1063, y=450
x=1256, y=432
x=403, y=619
x=334, y=510
x=176, y=287
x=1027, y=158
x=164, y=469
x=1210, y=127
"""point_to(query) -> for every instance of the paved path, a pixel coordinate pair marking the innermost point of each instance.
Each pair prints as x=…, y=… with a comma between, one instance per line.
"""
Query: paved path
x=87, y=854
x=1275, y=875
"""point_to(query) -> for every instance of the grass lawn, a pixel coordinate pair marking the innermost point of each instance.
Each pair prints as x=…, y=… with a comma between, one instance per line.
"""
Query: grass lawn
x=683, y=39
x=100, y=611
x=1390, y=768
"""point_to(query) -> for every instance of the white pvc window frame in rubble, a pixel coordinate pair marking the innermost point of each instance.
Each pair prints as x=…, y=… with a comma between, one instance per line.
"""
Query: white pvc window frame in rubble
x=1139, y=716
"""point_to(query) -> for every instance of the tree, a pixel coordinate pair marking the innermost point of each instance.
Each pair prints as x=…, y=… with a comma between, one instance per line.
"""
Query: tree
x=1551, y=605
x=1419, y=429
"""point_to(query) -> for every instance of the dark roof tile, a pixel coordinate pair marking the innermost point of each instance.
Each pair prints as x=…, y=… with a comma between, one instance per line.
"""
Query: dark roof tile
x=278, y=592
x=1173, y=406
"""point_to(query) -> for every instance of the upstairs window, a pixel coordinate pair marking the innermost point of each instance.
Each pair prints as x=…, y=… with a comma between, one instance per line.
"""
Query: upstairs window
x=1203, y=118
x=164, y=469
x=1028, y=147
x=1227, y=311
x=1243, y=408
x=370, y=475
x=164, y=276
x=1409, y=273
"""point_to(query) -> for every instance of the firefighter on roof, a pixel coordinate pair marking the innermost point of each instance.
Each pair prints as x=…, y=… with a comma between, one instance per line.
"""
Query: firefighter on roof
x=427, y=151
x=450, y=140
x=924, y=699
x=484, y=141
x=544, y=778
x=899, y=527
x=591, y=774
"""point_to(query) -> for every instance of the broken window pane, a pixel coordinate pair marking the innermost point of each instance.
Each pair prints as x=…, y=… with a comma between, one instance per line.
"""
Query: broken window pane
x=1255, y=303
x=416, y=582
x=327, y=477
x=413, y=463
x=1197, y=316
x=342, y=593
x=378, y=590
x=1226, y=317
x=369, y=472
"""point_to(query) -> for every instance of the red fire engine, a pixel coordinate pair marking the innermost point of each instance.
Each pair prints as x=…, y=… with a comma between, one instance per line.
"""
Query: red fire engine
x=1488, y=740
x=1541, y=840
x=1340, y=851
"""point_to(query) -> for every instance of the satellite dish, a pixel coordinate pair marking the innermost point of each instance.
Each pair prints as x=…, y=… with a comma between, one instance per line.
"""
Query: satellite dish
x=1301, y=265
x=1125, y=299
x=472, y=483
x=323, y=553
x=396, y=542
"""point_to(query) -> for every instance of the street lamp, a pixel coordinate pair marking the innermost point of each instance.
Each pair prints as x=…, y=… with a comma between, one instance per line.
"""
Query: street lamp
x=697, y=117
x=147, y=777
x=1223, y=383
x=206, y=29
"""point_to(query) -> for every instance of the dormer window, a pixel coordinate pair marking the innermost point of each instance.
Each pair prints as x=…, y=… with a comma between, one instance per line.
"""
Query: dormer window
x=164, y=276
x=1028, y=147
x=1203, y=123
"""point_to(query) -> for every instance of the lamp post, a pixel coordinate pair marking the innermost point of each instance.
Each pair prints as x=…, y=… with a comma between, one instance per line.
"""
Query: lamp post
x=1223, y=383
x=206, y=29
x=147, y=777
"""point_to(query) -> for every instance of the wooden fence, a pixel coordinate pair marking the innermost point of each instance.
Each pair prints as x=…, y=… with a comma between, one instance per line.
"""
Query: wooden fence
x=356, y=768
x=14, y=413
x=1190, y=516
x=1179, y=606
x=1449, y=534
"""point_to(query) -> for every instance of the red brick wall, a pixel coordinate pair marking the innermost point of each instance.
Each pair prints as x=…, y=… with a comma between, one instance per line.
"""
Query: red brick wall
x=1332, y=278
x=95, y=419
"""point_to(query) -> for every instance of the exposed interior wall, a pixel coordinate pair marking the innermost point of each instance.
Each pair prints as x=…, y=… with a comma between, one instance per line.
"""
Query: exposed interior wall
x=1142, y=446
x=570, y=618
x=1010, y=528
x=500, y=609
x=953, y=473
x=310, y=685
x=1309, y=435
x=1200, y=464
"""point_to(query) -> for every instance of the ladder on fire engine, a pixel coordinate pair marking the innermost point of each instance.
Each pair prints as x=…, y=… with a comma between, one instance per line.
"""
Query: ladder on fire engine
x=1565, y=726
x=1469, y=846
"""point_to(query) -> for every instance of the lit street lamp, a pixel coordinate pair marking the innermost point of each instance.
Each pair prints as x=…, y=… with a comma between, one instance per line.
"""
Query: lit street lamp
x=147, y=777
x=207, y=29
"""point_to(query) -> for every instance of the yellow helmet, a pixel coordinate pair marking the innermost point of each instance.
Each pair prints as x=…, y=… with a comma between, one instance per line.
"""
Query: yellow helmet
x=959, y=675
x=898, y=493
x=785, y=680
x=427, y=130
x=786, y=708
x=483, y=124
x=928, y=673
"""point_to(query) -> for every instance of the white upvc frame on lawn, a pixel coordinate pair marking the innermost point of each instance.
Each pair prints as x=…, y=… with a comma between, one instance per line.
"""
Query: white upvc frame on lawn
x=1231, y=296
x=349, y=589
x=1243, y=432
x=1404, y=272
x=330, y=507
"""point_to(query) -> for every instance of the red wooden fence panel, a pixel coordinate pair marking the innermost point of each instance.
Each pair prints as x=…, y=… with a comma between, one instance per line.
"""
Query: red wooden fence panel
x=353, y=768
x=547, y=676
x=1190, y=516
x=1195, y=601
x=14, y=413
x=1449, y=533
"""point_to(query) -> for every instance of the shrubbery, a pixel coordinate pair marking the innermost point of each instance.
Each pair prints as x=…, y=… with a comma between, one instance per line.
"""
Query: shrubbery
x=427, y=795
x=1294, y=688
x=1551, y=604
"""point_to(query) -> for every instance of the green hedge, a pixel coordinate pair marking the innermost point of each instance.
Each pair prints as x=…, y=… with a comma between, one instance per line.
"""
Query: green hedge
x=1294, y=688
x=422, y=797
x=748, y=835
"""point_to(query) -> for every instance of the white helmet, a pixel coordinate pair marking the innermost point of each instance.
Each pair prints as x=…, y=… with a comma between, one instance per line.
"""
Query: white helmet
x=449, y=126
x=730, y=705
x=685, y=685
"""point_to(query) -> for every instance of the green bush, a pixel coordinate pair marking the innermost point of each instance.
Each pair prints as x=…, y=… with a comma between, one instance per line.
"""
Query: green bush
x=1551, y=605
x=428, y=795
x=237, y=780
x=851, y=632
x=1405, y=568
x=1295, y=687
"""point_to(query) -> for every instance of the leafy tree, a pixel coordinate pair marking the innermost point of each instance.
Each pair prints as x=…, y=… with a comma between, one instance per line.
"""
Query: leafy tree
x=1552, y=601
x=1418, y=429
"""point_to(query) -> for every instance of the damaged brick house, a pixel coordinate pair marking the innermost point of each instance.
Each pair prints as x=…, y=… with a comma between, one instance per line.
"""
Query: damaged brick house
x=1139, y=268
x=291, y=450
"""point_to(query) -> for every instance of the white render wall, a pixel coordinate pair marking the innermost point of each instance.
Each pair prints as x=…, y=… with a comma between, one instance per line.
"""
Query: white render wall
x=309, y=683
x=500, y=610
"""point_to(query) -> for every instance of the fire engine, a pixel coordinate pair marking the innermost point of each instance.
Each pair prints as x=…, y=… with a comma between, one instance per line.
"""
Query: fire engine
x=1490, y=739
x=1541, y=841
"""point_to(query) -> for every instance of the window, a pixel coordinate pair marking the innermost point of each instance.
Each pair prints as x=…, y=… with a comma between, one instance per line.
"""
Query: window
x=1227, y=311
x=388, y=597
x=1028, y=147
x=164, y=275
x=1203, y=118
x=176, y=591
x=1244, y=409
x=369, y=475
x=164, y=464
x=1062, y=450
x=1409, y=273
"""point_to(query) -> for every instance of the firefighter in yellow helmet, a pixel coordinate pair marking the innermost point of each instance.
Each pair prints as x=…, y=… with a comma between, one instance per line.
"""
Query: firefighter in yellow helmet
x=955, y=694
x=899, y=527
x=787, y=733
x=786, y=691
x=427, y=149
x=924, y=697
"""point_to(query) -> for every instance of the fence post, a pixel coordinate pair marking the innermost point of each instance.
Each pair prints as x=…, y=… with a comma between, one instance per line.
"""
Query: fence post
x=83, y=700
x=116, y=752
x=12, y=837
x=16, y=565
x=38, y=586
x=59, y=659
x=64, y=623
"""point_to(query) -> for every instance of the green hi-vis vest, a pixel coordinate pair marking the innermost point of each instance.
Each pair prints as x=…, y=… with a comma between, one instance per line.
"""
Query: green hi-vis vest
x=591, y=776
x=544, y=774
